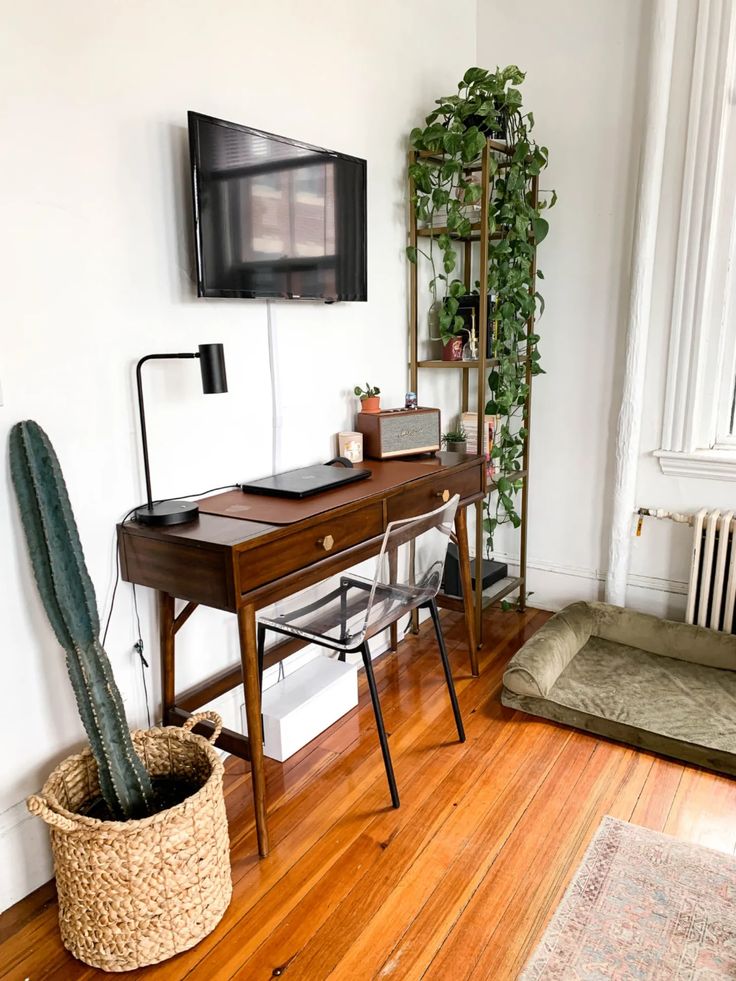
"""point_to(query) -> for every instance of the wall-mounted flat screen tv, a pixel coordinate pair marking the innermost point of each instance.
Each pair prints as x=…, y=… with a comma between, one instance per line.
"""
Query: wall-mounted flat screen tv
x=274, y=217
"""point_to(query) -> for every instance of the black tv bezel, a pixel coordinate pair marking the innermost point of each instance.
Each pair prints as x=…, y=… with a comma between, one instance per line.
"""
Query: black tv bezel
x=202, y=289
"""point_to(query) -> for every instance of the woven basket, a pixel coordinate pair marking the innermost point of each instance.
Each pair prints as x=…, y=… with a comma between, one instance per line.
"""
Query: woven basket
x=133, y=893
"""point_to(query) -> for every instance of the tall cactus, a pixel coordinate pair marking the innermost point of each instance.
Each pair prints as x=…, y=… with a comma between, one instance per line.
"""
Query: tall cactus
x=69, y=598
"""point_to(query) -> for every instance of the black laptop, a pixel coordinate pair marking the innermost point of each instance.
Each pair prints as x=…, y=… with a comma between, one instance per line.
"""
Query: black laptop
x=305, y=481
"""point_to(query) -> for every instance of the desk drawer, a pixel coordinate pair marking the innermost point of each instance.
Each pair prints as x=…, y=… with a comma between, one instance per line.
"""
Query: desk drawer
x=301, y=548
x=429, y=495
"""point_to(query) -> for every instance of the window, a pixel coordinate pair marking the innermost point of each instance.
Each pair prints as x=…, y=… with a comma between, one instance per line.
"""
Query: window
x=699, y=423
x=725, y=429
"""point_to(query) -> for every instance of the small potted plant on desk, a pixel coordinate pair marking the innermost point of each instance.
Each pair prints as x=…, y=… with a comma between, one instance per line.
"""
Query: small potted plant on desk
x=138, y=825
x=455, y=441
x=369, y=398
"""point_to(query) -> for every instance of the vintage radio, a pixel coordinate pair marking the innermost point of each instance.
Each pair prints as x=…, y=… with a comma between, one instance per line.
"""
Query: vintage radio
x=399, y=432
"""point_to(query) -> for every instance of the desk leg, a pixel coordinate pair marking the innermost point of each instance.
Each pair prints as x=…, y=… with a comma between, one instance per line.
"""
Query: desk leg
x=252, y=686
x=166, y=637
x=466, y=579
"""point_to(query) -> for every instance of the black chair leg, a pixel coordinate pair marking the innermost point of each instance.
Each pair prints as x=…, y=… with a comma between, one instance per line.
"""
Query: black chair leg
x=365, y=651
x=261, y=643
x=343, y=617
x=261, y=650
x=446, y=665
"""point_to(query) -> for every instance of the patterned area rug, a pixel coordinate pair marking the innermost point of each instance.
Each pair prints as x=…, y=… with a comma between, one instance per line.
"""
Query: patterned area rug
x=642, y=905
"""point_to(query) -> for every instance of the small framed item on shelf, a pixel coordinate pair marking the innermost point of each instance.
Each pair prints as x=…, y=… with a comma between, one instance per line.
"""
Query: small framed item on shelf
x=470, y=425
x=469, y=310
x=399, y=432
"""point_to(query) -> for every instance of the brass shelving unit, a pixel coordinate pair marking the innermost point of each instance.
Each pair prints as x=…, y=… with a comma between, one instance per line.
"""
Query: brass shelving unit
x=481, y=366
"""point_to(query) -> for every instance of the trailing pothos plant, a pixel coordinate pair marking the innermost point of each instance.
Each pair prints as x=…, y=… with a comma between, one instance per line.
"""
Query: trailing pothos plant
x=487, y=105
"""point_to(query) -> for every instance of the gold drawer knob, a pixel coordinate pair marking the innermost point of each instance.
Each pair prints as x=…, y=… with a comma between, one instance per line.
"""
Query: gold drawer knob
x=445, y=495
x=327, y=542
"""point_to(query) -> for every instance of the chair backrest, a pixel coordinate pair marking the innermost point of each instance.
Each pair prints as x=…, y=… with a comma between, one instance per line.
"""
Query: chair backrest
x=411, y=562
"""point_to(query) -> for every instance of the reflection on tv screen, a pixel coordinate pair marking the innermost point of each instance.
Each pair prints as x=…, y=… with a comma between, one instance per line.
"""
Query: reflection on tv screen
x=274, y=217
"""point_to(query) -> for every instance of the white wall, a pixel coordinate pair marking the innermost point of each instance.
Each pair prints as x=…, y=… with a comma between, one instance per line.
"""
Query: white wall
x=584, y=86
x=97, y=270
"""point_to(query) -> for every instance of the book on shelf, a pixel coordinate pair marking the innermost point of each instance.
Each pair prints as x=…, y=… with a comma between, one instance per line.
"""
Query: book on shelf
x=470, y=425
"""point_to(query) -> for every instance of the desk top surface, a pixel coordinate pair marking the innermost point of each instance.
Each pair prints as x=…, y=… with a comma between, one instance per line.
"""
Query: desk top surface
x=235, y=517
x=385, y=477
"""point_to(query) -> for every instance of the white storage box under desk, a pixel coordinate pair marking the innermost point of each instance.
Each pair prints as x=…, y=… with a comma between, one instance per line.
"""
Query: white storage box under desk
x=305, y=703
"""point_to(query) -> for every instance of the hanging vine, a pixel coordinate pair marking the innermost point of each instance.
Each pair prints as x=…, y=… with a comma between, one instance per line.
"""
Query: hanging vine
x=487, y=105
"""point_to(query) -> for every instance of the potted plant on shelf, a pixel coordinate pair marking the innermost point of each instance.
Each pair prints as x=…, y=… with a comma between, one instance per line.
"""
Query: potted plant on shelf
x=369, y=398
x=455, y=441
x=138, y=825
x=452, y=330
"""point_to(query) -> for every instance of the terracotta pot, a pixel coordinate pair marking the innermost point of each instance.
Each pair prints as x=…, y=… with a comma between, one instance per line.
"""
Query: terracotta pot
x=372, y=404
x=453, y=350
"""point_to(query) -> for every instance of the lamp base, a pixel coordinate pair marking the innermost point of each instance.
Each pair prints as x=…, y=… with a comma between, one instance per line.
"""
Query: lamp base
x=167, y=513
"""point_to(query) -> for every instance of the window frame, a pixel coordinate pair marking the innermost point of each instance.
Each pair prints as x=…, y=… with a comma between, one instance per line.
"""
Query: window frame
x=702, y=351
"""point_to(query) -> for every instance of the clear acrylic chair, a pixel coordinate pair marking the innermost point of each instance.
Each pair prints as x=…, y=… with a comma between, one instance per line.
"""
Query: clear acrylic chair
x=343, y=613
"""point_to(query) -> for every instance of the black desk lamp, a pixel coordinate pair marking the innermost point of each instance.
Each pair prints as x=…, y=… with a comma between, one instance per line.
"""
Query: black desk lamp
x=214, y=380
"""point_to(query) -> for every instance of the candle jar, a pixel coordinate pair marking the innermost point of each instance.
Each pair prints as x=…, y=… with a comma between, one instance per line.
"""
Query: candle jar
x=351, y=446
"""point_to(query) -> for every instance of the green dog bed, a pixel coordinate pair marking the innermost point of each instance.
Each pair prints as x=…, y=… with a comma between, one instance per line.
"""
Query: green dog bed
x=656, y=684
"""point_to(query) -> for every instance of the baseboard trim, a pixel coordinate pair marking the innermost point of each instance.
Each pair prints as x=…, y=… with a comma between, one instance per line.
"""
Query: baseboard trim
x=675, y=587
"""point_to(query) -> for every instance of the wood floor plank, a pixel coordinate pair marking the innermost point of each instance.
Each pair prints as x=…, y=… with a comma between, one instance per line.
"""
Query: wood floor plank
x=619, y=780
x=251, y=876
x=298, y=824
x=12, y=921
x=469, y=692
x=459, y=882
x=427, y=798
x=658, y=794
x=703, y=810
x=414, y=950
x=424, y=804
x=529, y=846
x=514, y=906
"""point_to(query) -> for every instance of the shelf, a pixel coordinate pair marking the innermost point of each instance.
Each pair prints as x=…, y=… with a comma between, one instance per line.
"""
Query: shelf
x=474, y=235
x=457, y=604
x=516, y=475
x=511, y=585
x=444, y=230
x=465, y=365
x=478, y=243
x=472, y=168
x=496, y=145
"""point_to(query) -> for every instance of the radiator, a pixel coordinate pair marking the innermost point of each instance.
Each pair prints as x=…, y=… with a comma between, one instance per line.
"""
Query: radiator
x=712, y=588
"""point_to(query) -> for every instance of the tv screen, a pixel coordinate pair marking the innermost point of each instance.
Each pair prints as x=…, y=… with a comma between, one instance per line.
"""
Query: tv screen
x=275, y=218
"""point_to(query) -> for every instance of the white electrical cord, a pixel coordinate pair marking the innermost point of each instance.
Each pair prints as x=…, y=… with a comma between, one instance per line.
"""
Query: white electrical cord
x=275, y=401
x=273, y=370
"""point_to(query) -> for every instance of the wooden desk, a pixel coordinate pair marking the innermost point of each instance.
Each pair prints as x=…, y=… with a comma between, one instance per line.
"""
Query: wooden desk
x=241, y=565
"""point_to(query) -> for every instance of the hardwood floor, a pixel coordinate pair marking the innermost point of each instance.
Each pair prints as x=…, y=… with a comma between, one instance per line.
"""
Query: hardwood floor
x=457, y=883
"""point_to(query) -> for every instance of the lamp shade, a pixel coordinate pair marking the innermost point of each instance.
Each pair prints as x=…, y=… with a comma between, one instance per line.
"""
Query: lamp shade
x=212, y=365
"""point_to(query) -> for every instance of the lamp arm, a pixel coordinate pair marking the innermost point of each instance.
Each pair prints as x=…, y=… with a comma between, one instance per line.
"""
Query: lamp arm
x=142, y=412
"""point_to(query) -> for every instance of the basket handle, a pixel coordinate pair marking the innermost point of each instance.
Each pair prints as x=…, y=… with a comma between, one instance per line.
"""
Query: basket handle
x=198, y=717
x=38, y=805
